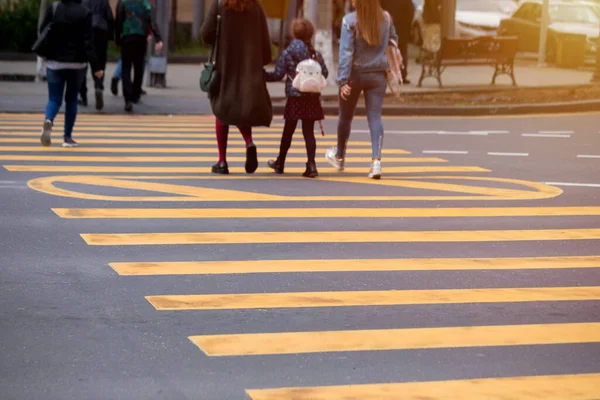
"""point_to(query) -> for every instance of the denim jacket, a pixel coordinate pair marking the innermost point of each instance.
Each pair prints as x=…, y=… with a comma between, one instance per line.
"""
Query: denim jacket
x=296, y=52
x=356, y=55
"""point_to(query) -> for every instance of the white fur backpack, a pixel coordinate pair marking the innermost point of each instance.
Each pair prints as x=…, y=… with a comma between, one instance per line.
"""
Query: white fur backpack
x=309, y=77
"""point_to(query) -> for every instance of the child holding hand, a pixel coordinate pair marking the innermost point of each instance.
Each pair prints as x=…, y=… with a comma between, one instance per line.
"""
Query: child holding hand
x=299, y=106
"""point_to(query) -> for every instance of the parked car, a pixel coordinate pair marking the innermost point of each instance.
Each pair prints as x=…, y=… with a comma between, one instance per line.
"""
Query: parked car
x=473, y=17
x=566, y=17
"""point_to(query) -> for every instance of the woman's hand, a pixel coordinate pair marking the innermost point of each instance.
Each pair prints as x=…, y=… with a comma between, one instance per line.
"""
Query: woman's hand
x=345, y=92
x=158, y=47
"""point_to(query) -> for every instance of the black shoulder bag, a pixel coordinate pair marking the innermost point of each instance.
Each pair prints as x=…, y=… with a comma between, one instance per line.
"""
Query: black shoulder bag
x=209, y=78
x=43, y=45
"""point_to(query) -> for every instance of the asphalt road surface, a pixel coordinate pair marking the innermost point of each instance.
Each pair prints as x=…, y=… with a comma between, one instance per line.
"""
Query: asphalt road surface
x=470, y=271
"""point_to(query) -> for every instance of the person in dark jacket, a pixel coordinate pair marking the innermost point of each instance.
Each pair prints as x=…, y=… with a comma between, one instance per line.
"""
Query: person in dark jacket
x=134, y=19
x=72, y=44
x=103, y=28
x=242, y=99
x=432, y=11
x=402, y=12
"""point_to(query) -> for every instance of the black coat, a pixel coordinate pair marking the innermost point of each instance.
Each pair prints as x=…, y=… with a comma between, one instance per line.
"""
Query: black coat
x=244, y=49
x=102, y=15
x=71, y=36
x=402, y=12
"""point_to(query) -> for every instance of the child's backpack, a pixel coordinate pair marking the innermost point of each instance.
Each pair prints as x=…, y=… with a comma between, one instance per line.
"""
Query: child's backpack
x=309, y=77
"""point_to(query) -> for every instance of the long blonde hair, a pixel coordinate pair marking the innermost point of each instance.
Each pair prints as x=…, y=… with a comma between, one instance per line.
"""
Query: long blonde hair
x=369, y=19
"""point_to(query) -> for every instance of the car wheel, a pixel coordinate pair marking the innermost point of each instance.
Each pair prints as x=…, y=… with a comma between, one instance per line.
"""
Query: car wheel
x=416, y=36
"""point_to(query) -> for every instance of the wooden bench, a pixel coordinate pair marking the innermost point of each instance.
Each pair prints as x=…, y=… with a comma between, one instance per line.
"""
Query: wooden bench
x=498, y=52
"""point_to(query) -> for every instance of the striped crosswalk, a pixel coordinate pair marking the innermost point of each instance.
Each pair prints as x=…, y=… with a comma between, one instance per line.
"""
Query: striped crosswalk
x=99, y=167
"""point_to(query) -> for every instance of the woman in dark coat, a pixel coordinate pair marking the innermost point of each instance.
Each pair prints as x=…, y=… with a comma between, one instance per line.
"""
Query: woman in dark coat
x=244, y=49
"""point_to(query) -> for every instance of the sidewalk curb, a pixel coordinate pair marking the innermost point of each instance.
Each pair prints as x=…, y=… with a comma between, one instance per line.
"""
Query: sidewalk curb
x=471, y=111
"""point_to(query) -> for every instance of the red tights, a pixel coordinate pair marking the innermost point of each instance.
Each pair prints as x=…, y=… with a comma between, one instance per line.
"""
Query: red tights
x=223, y=133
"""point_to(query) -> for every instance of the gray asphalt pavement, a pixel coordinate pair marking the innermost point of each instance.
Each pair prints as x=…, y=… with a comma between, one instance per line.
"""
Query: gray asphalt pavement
x=123, y=283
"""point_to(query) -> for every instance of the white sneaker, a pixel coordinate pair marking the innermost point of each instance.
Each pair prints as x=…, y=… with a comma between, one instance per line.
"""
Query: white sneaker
x=46, y=138
x=331, y=158
x=375, y=172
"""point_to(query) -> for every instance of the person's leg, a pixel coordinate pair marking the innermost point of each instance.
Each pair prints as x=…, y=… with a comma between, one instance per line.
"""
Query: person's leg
x=56, y=87
x=73, y=79
x=374, y=96
x=101, y=47
x=222, y=136
x=251, y=153
x=138, y=68
x=114, y=82
x=308, y=130
x=289, y=127
x=347, y=108
x=127, y=56
x=83, y=88
x=119, y=70
x=403, y=47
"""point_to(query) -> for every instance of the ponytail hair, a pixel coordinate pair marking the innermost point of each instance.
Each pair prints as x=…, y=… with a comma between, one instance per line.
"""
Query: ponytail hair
x=303, y=29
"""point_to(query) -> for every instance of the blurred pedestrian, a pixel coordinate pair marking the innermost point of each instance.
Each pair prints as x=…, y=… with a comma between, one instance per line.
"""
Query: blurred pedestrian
x=403, y=13
x=299, y=106
x=118, y=75
x=134, y=19
x=366, y=34
x=243, y=48
x=103, y=29
x=72, y=48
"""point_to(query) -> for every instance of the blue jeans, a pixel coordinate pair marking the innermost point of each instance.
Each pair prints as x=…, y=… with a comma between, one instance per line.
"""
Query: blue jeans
x=374, y=85
x=57, y=80
x=119, y=71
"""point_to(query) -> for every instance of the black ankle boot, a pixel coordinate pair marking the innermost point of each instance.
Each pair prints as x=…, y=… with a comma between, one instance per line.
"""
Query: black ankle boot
x=276, y=165
x=311, y=170
x=220, y=168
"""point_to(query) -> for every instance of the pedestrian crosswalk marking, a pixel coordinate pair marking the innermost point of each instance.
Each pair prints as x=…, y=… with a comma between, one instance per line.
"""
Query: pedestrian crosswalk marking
x=551, y=387
x=145, y=239
x=247, y=344
x=149, y=140
x=191, y=150
x=188, y=159
x=260, y=213
x=204, y=170
x=351, y=265
x=371, y=298
x=197, y=134
x=151, y=131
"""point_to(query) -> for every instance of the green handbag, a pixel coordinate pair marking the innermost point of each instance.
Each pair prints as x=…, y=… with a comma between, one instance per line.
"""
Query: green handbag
x=209, y=78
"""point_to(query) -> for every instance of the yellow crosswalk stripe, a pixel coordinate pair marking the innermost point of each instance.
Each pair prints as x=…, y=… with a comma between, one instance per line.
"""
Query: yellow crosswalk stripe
x=552, y=387
x=395, y=339
x=116, y=133
x=236, y=213
x=191, y=150
x=83, y=125
x=371, y=298
x=235, y=170
x=128, y=239
x=351, y=265
x=88, y=131
x=180, y=159
x=152, y=140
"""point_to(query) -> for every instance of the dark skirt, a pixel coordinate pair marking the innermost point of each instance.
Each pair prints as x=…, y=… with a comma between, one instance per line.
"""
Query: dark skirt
x=303, y=108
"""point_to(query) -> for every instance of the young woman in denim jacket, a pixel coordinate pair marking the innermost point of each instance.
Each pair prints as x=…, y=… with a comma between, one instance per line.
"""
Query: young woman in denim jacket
x=299, y=106
x=363, y=63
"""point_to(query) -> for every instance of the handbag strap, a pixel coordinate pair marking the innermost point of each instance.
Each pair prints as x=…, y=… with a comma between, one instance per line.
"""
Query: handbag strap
x=213, y=53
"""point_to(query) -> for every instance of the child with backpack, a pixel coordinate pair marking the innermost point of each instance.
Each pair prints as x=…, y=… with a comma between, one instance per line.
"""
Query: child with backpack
x=306, y=75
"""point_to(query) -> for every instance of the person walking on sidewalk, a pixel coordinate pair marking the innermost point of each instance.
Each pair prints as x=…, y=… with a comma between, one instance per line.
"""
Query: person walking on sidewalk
x=402, y=13
x=243, y=49
x=134, y=18
x=103, y=28
x=366, y=34
x=299, y=106
x=72, y=47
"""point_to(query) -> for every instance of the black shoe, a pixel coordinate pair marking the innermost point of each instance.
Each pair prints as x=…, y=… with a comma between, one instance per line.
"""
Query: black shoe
x=311, y=171
x=220, y=168
x=251, y=159
x=276, y=166
x=83, y=101
x=99, y=100
x=143, y=92
x=128, y=106
x=406, y=81
x=114, y=86
x=136, y=100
